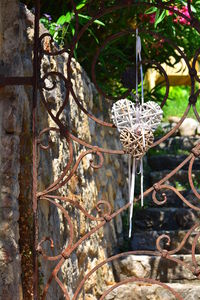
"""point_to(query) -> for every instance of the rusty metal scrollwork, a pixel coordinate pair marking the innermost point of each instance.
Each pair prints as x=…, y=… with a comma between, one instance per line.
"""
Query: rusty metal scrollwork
x=104, y=210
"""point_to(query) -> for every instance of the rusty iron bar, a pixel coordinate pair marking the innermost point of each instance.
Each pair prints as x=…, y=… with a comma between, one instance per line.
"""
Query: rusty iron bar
x=4, y=81
x=36, y=77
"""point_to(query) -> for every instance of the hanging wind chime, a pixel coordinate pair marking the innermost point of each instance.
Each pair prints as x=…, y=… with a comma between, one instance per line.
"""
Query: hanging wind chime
x=136, y=123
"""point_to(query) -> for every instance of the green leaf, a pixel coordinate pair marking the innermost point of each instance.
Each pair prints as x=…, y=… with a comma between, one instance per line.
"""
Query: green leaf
x=81, y=4
x=51, y=31
x=89, y=18
x=64, y=19
x=94, y=36
x=55, y=35
x=69, y=16
x=151, y=10
x=159, y=17
x=99, y=23
x=193, y=9
x=72, y=29
x=84, y=17
x=44, y=20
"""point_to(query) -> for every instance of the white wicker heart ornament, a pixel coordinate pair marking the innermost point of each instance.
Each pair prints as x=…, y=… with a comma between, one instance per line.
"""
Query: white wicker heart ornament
x=136, y=123
x=126, y=114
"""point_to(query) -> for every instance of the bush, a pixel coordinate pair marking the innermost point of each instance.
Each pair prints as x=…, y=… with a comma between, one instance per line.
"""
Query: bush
x=118, y=56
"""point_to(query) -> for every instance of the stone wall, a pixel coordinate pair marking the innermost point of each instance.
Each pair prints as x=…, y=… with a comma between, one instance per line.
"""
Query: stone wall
x=87, y=186
x=11, y=108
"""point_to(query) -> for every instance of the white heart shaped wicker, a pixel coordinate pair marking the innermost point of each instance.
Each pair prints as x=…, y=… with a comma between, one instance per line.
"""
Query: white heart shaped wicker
x=126, y=114
x=122, y=113
x=150, y=116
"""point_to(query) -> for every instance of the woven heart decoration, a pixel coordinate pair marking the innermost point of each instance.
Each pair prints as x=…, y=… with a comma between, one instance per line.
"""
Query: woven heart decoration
x=150, y=115
x=126, y=114
x=136, y=143
x=136, y=123
x=122, y=113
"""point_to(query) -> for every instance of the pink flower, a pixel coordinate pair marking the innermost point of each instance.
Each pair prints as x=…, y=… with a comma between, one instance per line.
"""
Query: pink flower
x=148, y=17
x=171, y=12
x=152, y=18
x=179, y=19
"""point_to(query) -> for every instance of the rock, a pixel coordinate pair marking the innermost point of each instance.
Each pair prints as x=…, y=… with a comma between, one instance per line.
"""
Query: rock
x=198, y=130
x=147, y=240
x=165, y=219
x=138, y=267
x=173, y=144
x=11, y=104
x=188, y=127
x=164, y=162
x=169, y=162
x=146, y=291
x=173, y=200
x=181, y=177
x=192, y=198
x=155, y=267
x=174, y=119
x=10, y=121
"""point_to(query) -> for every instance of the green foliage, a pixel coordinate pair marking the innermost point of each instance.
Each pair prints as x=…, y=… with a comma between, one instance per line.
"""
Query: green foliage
x=119, y=53
x=158, y=152
x=177, y=101
x=159, y=17
x=63, y=29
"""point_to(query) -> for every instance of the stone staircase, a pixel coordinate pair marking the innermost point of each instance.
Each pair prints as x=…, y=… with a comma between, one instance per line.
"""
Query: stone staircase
x=174, y=218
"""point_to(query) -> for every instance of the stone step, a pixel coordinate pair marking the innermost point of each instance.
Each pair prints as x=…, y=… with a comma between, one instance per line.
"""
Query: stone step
x=147, y=241
x=173, y=200
x=176, y=144
x=169, y=162
x=157, y=268
x=181, y=177
x=144, y=291
x=151, y=219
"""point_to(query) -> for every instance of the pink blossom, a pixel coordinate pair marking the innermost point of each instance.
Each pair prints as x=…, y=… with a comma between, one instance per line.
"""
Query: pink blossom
x=182, y=20
x=179, y=19
x=152, y=18
x=171, y=12
x=148, y=17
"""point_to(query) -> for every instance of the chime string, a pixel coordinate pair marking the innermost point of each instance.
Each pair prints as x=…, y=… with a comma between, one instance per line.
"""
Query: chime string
x=141, y=182
x=136, y=65
x=132, y=174
x=129, y=176
x=141, y=74
x=142, y=172
x=131, y=199
x=139, y=58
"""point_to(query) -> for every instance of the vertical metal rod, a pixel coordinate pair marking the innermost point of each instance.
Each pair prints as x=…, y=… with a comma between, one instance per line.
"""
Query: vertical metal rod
x=36, y=73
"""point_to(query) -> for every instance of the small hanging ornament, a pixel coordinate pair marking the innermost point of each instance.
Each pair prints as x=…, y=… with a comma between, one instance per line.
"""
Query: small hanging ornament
x=136, y=123
x=126, y=114
x=136, y=143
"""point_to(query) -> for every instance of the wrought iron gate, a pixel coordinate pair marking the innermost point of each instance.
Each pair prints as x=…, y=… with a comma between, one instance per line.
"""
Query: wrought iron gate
x=48, y=194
